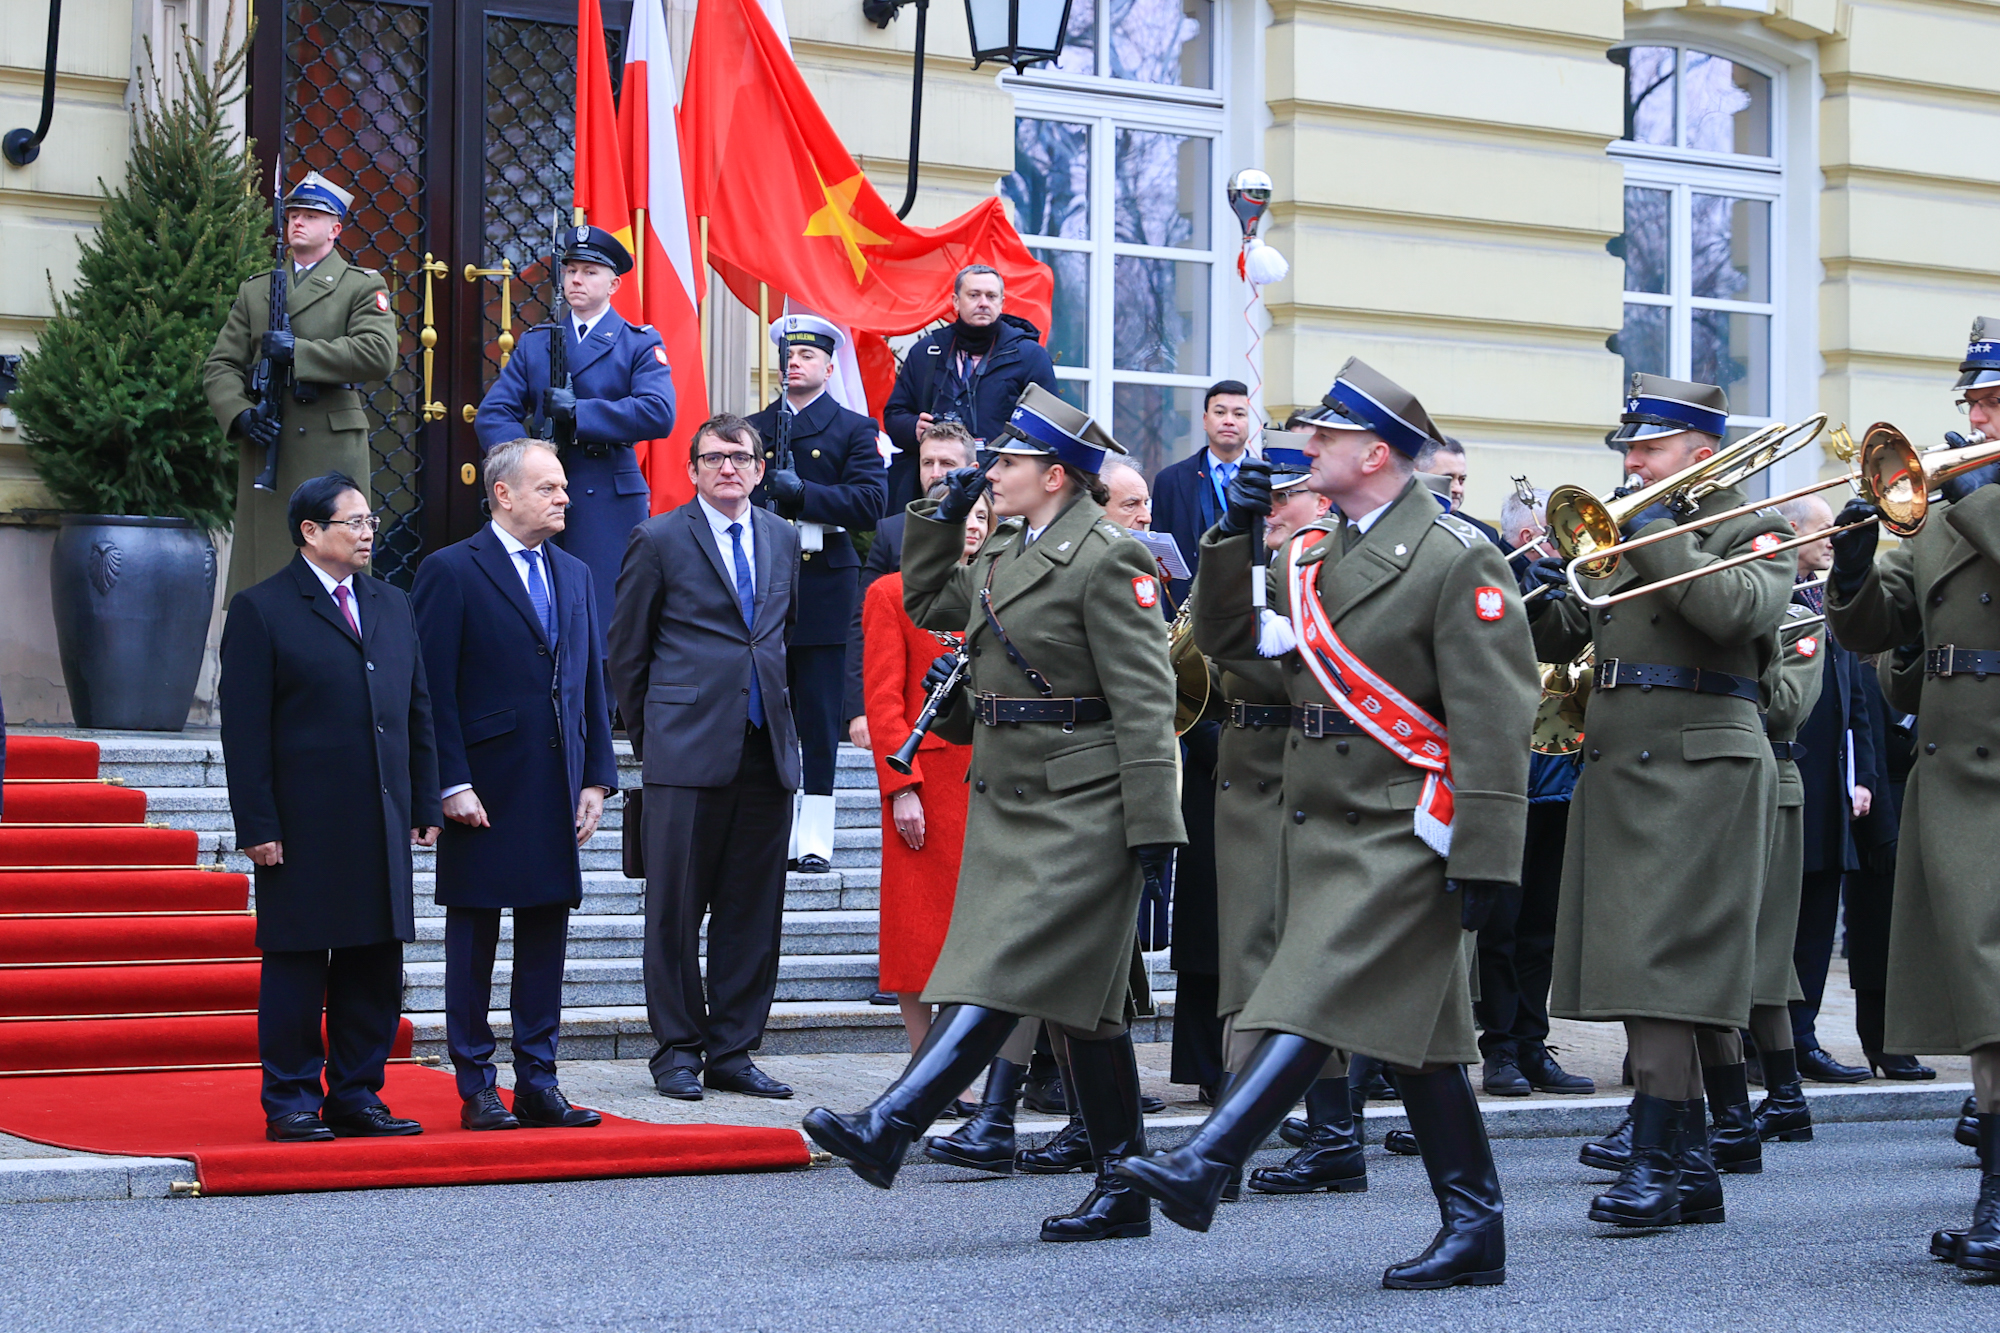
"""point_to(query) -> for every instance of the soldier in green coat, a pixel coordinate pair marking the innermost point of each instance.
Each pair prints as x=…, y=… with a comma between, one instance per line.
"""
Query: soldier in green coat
x=1939, y=589
x=343, y=336
x=1413, y=688
x=1069, y=706
x=1670, y=829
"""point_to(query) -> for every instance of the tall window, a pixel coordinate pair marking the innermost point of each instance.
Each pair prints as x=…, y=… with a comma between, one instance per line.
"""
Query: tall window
x=1703, y=198
x=1114, y=187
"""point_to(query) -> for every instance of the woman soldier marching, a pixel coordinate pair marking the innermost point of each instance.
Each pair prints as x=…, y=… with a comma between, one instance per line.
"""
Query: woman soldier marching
x=1074, y=802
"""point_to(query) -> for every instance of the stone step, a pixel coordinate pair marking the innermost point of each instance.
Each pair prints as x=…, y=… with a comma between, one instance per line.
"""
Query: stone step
x=206, y=809
x=609, y=893
x=611, y=937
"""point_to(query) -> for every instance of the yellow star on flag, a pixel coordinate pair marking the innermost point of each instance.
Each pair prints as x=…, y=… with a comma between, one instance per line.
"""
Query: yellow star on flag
x=837, y=219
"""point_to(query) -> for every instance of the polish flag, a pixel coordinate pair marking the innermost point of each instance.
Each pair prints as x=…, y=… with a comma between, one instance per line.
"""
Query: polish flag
x=671, y=282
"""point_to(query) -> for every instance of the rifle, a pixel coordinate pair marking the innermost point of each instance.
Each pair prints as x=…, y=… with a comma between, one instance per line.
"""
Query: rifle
x=562, y=436
x=269, y=384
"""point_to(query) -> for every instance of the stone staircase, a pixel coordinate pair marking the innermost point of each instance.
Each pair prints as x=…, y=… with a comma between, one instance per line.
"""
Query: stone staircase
x=825, y=976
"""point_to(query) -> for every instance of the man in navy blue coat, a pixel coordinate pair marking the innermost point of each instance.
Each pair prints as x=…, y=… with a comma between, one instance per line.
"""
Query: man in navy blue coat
x=1187, y=494
x=514, y=653
x=624, y=393
x=836, y=483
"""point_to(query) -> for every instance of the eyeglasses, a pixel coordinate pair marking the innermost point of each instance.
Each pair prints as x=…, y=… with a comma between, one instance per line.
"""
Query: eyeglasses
x=1989, y=401
x=714, y=462
x=357, y=526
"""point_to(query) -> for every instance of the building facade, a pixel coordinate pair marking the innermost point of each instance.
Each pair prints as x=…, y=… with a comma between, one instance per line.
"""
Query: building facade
x=1505, y=204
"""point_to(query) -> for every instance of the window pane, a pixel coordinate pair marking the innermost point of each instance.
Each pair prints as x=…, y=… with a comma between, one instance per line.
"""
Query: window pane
x=1160, y=319
x=1728, y=107
x=1050, y=183
x=1161, y=41
x=1163, y=195
x=1069, y=320
x=1734, y=351
x=1079, y=53
x=1156, y=422
x=1732, y=247
x=1649, y=92
x=1647, y=244
x=1077, y=394
x=1643, y=341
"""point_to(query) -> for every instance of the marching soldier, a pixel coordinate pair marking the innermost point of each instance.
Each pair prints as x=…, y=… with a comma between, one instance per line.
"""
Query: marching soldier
x=1070, y=710
x=1671, y=824
x=835, y=482
x=1937, y=589
x=623, y=392
x=343, y=336
x=1398, y=832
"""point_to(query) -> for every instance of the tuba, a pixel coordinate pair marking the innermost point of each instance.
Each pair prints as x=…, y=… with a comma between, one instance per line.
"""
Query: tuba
x=1194, y=682
x=1565, y=695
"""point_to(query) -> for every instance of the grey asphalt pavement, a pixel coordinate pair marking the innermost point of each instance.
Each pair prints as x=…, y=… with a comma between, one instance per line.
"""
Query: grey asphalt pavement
x=1832, y=1237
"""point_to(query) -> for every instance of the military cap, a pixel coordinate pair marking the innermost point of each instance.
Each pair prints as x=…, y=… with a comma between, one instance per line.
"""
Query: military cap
x=1045, y=426
x=1982, y=356
x=319, y=194
x=806, y=331
x=1658, y=406
x=1362, y=398
x=594, y=245
x=1289, y=465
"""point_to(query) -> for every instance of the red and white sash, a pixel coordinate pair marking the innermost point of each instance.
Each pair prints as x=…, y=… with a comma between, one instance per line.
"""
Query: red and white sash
x=1372, y=703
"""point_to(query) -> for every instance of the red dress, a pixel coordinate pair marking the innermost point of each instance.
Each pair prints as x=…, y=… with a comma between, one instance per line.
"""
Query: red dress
x=917, y=887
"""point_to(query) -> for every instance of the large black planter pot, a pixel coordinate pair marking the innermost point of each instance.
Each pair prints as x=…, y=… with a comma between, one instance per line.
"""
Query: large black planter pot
x=132, y=597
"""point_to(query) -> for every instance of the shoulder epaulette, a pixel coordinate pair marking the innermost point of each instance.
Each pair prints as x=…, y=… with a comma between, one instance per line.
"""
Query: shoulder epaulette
x=1459, y=528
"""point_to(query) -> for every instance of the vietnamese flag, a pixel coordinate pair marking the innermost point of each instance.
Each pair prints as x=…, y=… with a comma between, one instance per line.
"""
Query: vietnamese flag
x=787, y=204
x=670, y=281
x=599, y=191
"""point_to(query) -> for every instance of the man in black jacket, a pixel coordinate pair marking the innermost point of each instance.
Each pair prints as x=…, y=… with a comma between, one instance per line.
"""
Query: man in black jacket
x=974, y=369
x=326, y=733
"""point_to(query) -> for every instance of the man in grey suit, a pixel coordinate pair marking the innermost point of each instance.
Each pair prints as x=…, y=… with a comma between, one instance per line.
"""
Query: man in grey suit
x=697, y=657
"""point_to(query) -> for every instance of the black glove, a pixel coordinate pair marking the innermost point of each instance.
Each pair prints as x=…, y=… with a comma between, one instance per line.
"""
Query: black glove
x=1476, y=900
x=1854, y=552
x=257, y=428
x=1249, y=497
x=1547, y=572
x=1907, y=656
x=1155, y=859
x=1959, y=487
x=940, y=671
x=561, y=406
x=963, y=486
x=788, y=493
x=1644, y=516
x=279, y=346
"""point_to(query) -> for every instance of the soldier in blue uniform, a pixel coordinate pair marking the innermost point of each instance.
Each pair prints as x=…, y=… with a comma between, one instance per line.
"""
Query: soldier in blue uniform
x=837, y=482
x=624, y=393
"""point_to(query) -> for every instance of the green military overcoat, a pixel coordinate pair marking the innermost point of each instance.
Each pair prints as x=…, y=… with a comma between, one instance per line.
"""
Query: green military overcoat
x=1943, y=587
x=1791, y=688
x=1670, y=828
x=1048, y=889
x=345, y=325
x=1370, y=954
x=1249, y=803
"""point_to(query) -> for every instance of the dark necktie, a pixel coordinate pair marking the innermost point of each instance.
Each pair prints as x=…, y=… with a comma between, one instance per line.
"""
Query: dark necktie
x=538, y=593
x=342, y=595
x=746, y=597
x=1350, y=537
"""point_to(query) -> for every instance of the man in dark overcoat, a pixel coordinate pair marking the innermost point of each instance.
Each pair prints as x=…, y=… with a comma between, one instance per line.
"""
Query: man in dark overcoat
x=513, y=652
x=326, y=732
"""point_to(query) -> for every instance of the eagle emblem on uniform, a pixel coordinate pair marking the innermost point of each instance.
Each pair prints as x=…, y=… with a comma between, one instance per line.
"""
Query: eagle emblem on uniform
x=1488, y=603
x=382, y=302
x=1764, y=541
x=1808, y=646
x=660, y=355
x=1146, y=591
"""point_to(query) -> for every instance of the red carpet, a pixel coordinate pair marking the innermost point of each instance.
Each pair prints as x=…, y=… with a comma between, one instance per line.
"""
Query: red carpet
x=128, y=990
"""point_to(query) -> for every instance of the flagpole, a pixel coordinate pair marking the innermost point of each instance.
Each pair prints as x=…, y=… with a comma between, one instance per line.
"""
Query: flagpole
x=763, y=345
x=639, y=254
x=704, y=314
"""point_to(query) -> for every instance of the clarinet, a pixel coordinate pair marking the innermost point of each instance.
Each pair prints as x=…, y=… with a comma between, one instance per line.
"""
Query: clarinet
x=904, y=758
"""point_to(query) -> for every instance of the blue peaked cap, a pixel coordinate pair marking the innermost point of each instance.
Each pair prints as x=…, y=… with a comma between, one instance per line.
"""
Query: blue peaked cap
x=1045, y=425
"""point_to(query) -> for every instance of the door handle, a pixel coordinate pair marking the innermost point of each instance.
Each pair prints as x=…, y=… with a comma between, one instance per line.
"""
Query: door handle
x=432, y=267
x=506, y=275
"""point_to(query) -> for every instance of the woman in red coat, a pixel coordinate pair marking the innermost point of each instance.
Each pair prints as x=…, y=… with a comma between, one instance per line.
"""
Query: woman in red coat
x=923, y=813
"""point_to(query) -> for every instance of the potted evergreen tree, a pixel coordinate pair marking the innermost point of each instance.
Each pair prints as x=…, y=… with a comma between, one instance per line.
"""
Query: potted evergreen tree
x=112, y=409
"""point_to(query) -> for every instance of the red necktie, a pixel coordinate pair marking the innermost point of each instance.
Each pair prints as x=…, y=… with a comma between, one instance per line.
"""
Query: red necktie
x=343, y=595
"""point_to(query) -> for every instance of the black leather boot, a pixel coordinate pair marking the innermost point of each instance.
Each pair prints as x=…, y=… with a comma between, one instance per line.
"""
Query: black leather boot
x=1979, y=1248
x=1735, y=1144
x=986, y=1141
x=1701, y=1187
x=1189, y=1181
x=1647, y=1192
x=1944, y=1244
x=1470, y=1248
x=1966, y=1131
x=1331, y=1156
x=1069, y=1149
x=1783, y=1114
x=1297, y=1130
x=1106, y=1078
x=1613, y=1152
x=960, y=1043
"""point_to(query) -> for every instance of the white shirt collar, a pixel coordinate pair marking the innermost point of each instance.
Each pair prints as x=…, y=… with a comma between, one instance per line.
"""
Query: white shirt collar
x=328, y=581
x=786, y=399
x=509, y=542
x=1367, y=520
x=1214, y=461
x=718, y=521
x=584, y=326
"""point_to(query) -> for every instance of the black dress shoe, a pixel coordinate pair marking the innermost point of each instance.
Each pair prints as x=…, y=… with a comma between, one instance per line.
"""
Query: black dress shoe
x=748, y=1080
x=1502, y=1078
x=883, y=997
x=484, y=1111
x=1045, y=1095
x=680, y=1084
x=1820, y=1067
x=371, y=1122
x=1402, y=1142
x=549, y=1109
x=1151, y=1105
x=298, y=1127
x=1545, y=1075
x=814, y=865
x=1901, y=1067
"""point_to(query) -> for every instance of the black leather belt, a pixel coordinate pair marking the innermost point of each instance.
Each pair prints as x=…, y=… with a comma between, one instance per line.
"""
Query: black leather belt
x=1317, y=720
x=1952, y=660
x=1613, y=674
x=1242, y=714
x=1792, y=750
x=992, y=710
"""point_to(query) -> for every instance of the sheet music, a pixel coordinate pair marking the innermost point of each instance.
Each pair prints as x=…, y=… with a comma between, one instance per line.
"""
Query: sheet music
x=1167, y=551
